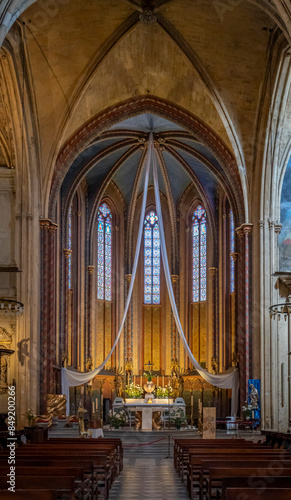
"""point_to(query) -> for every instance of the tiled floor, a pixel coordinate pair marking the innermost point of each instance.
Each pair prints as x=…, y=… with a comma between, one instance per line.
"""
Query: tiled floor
x=147, y=473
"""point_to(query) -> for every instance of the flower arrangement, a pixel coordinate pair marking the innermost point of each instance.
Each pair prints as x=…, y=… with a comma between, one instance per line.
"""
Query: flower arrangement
x=177, y=417
x=247, y=411
x=117, y=419
x=148, y=375
x=164, y=392
x=30, y=416
x=86, y=434
x=134, y=391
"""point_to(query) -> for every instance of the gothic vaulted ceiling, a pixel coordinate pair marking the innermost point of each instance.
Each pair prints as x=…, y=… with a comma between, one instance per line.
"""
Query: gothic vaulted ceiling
x=83, y=57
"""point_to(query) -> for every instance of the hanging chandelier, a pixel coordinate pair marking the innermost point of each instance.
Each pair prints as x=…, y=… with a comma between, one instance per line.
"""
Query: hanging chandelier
x=10, y=308
x=280, y=311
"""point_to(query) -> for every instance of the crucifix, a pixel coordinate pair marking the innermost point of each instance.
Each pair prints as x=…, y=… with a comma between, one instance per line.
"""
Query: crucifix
x=149, y=364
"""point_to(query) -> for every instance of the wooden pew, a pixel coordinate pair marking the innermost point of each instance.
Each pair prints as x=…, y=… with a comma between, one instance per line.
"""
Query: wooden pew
x=260, y=483
x=216, y=476
x=99, y=466
x=63, y=486
x=253, y=494
x=233, y=455
x=257, y=465
x=98, y=443
x=183, y=450
x=82, y=488
x=29, y=495
x=198, y=466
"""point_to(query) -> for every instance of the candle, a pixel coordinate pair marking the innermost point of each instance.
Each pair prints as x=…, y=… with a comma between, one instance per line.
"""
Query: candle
x=93, y=410
x=82, y=389
x=157, y=381
x=96, y=404
x=163, y=381
x=101, y=399
x=191, y=399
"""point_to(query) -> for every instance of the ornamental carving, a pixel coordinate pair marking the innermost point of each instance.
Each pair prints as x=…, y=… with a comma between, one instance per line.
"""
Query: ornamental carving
x=148, y=17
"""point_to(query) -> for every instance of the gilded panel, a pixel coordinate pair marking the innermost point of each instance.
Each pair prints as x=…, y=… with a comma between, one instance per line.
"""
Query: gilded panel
x=107, y=330
x=156, y=337
x=195, y=312
x=147, y=328
x=203, y=332
x=99, y=333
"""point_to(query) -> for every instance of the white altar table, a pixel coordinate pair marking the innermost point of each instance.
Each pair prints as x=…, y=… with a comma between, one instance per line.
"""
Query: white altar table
x=147, y=409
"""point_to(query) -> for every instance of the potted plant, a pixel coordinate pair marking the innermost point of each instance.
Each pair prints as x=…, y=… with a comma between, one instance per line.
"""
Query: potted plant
x=177, y=418
x=117, y=419
x=246, y=411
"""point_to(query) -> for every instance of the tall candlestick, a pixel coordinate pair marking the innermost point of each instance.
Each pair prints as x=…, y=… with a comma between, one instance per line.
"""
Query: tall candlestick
x=163, y=381
x=101, y=399
x=82, y=389
x=96, y=404
x=134, y=380
x=93, y=410
x=157, y=381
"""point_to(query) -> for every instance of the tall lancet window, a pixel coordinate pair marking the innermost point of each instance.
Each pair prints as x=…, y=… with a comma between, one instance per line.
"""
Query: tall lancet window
x=199, y=254
x=104, y=265
x=231, y=252
x=152, y=260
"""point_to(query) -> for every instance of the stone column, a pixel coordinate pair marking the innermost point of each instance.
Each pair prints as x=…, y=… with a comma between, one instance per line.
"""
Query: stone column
x=91, y=309
x=174, y=333
x=212, y=335
x=67, y=253
x=234, y=352
x=128, y=347
x=48, y=309
x=244, y=307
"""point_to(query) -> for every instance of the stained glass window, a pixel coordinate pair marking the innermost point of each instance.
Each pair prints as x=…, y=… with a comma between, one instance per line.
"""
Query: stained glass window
x=152, y=259
x=104, y=258
x=231, y=251
x=199, y=254
x=70, y=248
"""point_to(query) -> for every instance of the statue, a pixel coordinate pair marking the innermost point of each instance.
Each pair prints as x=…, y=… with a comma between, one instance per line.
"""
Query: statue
x=81, y=413
x=254, y=397
x=118, y=385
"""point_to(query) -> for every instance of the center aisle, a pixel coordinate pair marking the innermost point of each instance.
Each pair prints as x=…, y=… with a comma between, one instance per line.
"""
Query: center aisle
x=147, y=473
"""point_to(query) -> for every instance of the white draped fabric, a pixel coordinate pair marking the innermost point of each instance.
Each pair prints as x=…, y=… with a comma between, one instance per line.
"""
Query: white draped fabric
x=225, y=381
x=73, y=378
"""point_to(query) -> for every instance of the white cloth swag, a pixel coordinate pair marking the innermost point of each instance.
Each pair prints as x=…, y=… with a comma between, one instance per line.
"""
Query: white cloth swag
x=225, y=381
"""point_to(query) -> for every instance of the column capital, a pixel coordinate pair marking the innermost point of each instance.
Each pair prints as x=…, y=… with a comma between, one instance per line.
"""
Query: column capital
x=47, y=224
x=277, y=227
x=234, y=255
x=244, y=229
x=128, y=278
x=247, y=228
x=91, y=269
x=174, y=278
x=67, y=252
x=213, y=271
x=261, y=223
